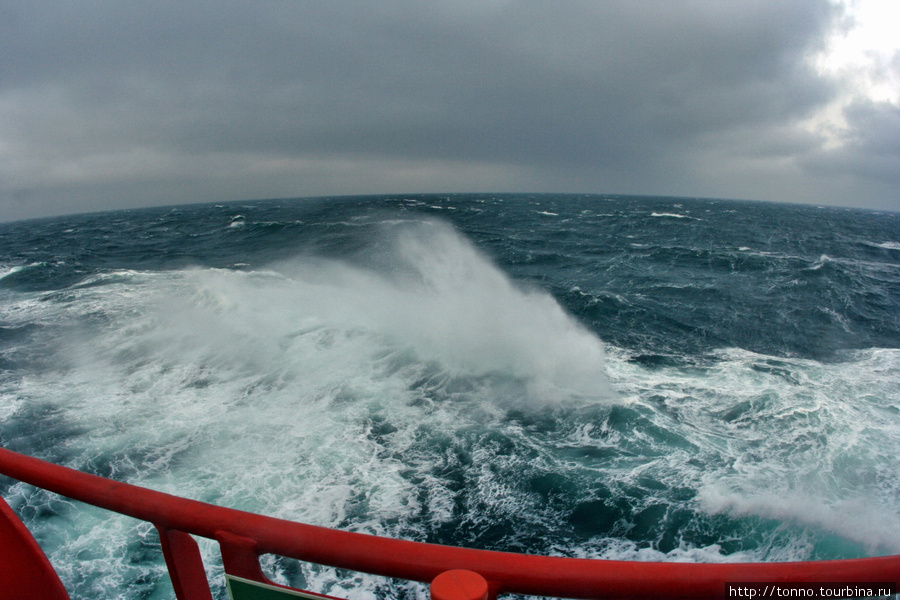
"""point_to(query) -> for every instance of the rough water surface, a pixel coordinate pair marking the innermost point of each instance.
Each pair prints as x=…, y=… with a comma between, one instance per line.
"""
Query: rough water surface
x=592, y=376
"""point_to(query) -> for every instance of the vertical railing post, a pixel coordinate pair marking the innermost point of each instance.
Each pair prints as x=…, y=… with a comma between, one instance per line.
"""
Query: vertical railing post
x=240, y=556
x=185, y=565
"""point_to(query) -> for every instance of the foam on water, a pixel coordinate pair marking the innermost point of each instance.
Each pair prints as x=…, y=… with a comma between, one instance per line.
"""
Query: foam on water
x=885, y=245
x=414, y=390
x=303, y=390
x=9, y=270
x=791, y=440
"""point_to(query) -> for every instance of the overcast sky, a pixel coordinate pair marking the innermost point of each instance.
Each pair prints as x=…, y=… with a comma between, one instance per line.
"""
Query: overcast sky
x=107, y=105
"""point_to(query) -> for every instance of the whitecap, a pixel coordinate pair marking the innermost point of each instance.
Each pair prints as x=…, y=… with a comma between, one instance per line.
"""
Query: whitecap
x=885, y=245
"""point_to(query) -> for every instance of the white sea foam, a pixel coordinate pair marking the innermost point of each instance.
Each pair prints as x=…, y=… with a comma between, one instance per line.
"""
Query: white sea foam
x=261, y=389
x=9, y=270
x=874, y=526
x=798, y=441
x=445, y=301
x=619, y=549
x=673, y=216
x=885, y=245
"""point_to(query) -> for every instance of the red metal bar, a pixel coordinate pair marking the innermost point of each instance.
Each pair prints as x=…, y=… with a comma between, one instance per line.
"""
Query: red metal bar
x=503, y=572
x=25, y=571
x=185, y=565
x=459, y=585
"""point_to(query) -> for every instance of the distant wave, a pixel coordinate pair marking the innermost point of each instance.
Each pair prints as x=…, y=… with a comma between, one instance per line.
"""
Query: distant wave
x=885, y=245
x=5, y=271
x=673, y=216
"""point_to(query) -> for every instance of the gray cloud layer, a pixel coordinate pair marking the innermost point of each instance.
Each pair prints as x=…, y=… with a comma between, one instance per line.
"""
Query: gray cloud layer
x=113, y=104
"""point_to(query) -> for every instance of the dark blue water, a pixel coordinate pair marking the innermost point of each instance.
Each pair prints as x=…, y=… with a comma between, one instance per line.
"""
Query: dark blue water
x=603, y=376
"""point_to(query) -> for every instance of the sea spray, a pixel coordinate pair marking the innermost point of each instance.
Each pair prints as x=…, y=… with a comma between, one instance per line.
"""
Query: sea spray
x=432, y=291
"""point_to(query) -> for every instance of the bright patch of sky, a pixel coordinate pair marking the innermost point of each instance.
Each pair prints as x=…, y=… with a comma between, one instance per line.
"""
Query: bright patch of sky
x=864, y=54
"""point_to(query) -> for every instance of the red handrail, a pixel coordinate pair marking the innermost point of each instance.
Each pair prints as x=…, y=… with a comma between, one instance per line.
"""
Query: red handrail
x=244, y=536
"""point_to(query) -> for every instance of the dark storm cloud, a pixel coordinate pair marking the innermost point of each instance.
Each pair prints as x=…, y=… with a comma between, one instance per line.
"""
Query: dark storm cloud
x=872, y=150
x=115, y=102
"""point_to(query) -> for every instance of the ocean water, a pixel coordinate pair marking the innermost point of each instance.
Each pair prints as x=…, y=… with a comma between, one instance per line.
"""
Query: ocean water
x=593, y=376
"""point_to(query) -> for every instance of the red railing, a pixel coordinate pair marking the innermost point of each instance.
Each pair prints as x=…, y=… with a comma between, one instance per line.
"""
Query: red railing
x=455, y=573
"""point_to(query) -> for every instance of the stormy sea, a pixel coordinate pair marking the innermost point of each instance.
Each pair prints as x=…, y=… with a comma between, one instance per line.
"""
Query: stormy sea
x=617, y=377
